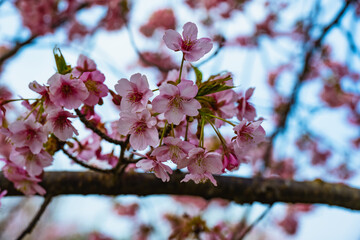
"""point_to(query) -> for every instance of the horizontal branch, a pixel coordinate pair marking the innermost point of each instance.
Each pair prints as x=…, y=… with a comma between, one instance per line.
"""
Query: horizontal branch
x=240, y=190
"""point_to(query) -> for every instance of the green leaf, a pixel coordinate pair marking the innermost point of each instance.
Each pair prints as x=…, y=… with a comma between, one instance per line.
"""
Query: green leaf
x=213, y=86
x=198, y=75
x=61, y=65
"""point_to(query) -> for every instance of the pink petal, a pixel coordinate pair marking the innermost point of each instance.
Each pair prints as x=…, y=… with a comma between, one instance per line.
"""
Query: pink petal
x=190, y=31
x=172, y=40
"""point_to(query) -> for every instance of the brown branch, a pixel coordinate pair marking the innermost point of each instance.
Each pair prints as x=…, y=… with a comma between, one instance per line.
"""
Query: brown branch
x=91, y=126
x=240, y=190
x=36, y=218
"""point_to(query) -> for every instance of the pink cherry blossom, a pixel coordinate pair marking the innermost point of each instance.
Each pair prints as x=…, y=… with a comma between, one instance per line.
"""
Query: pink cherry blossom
x=224, y=105
x=152, y=164
x=135, y=93
x=202, y=165
x=86, y=148
x=28, y=133
x=245, y=109
x=84, y=64
x=192, y=47
x=21, y=179
x=94, y=84
x=142, y=129
x=34, y=163
x=59, y=124
x=230, y=162
x=174, y=149
x=249, y=134
x=66, y=91
x=177, y=101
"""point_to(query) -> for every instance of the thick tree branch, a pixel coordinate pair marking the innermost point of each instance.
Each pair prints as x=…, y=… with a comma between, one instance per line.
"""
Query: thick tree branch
x=240, y=190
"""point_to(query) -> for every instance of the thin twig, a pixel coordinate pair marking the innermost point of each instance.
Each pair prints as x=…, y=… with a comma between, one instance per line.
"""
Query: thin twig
x=302, y=76
x=81, y=163
x=91, y=126
x=36, y=218
x=141, y=56
x=250, y=227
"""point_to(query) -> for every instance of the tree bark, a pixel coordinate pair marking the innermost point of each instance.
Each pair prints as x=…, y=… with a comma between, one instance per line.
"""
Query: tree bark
x=239, y=190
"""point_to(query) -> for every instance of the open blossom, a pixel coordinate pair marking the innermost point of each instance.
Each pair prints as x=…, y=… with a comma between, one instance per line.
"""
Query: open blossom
x=177, y=101
x=249, y=134
x=192, y=47
x=135, y=93
x=84, y=64
x=34, y=163
x=142, y=129
x=224, y=105
x=94, y=84
x=174, y=149
x=152, y=164
x=202, y=165
x=245, y=109
x=28, y=133
x=59, y=124
x=21, y=179
x=66, y=91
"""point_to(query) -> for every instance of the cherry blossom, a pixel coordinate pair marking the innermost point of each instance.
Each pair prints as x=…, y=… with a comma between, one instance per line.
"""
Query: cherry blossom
x=202, y=165
x=158, y=167
x=192, y=47
x=21, y=179
x=230, y=162
x=245, y=109
x=60, y=125
x=135, y=93
x=34, y=163
x=28, y=133
x=249, y=134
x=142, y=129
x=84, y=64
x=66, y=91
x=174, y=149
x=177, y=101
x=95, y=86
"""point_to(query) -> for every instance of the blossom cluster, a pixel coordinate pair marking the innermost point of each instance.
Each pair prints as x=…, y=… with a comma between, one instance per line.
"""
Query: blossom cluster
x=160, y=126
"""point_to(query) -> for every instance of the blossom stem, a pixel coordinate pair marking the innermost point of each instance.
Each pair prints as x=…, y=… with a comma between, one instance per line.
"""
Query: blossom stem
x=222, y=119
x=221, y=138
x=181, y=67
x=172, y=130
x=186, y=129
x=163, y=133
x=201, y=141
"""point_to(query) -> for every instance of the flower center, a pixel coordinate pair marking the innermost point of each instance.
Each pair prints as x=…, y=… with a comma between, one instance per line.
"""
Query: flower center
x=187, y=45
x=66, y=90
x=135, y=97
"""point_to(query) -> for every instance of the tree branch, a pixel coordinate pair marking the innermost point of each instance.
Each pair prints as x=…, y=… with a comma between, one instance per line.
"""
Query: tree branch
x=36, y=218
x=240, y=190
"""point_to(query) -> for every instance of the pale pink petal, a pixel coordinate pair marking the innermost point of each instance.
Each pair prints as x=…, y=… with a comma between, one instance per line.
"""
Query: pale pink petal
x=123, y=87
x=190, y=31
x=172, y=40
x=160, y=104
x=174, y=115
x=191, y=107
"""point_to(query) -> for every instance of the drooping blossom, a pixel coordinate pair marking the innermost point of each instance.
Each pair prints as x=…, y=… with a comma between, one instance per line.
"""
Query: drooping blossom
x=142, y=129
x=245, y=109
x=224, y=105
x=44, y=92
x=84, y=64
x=202, y=165
x=230, y=162
x=158, y=167
x=33, y=163
x=174, y=149
x=177, y=101
x=192, y=48
x=66, y=91
x=28, y=133
x=249, y=134
x=86, y=149
x=21, y=179
x=59, y=124
x=95, y=86
x=135, y=93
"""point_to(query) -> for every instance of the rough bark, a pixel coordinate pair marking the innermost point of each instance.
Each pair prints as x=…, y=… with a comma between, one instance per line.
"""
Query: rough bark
x=240, y=190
